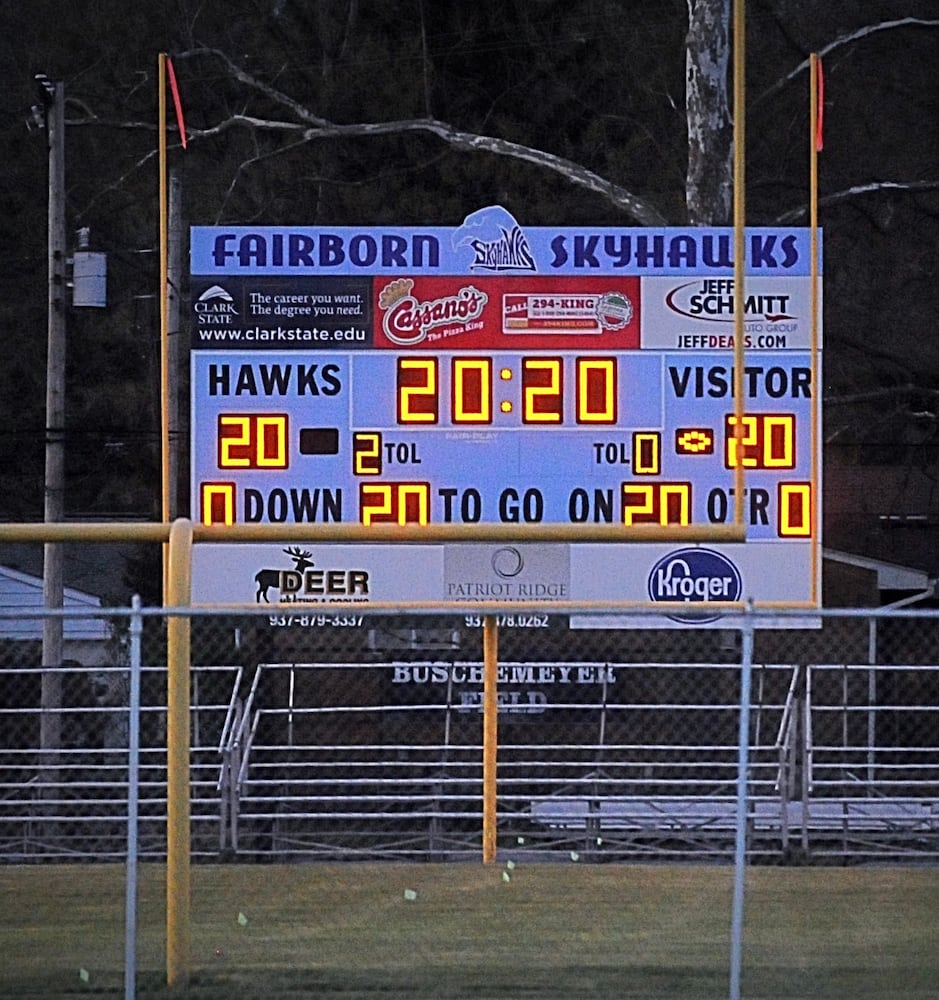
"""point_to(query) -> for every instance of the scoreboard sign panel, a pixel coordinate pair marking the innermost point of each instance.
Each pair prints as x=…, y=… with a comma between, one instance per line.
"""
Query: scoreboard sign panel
x=498, y=374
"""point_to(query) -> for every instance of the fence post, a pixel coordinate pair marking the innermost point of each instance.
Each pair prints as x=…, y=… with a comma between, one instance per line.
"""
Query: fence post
x=178, y=837
x=740, y=833
x=490, y=734
x=133, y=779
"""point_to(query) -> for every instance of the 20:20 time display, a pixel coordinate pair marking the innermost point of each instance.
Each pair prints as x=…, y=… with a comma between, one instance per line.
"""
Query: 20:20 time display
x=473, y=397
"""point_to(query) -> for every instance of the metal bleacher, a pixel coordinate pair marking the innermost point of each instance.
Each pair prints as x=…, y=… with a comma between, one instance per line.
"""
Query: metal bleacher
x=333, y=761
x=812, y=796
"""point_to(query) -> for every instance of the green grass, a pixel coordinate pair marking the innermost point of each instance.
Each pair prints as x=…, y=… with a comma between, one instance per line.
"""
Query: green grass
x=559, y=931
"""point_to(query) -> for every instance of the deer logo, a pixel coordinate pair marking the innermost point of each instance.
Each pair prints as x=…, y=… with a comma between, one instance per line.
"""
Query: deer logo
x=267, y=578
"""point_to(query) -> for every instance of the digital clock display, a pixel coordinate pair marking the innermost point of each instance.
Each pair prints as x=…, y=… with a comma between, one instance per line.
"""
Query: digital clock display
x=534, y=389
x=424, y=377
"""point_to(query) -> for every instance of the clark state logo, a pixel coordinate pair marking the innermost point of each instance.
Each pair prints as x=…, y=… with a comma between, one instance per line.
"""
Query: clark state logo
x=215, y=300
x=695, y=575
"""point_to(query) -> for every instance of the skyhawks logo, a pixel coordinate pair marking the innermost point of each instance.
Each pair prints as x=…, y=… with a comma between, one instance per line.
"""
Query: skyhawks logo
x=497, y=241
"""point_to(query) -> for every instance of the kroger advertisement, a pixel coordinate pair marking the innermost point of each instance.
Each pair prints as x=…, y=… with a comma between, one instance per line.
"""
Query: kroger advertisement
x=500, y=374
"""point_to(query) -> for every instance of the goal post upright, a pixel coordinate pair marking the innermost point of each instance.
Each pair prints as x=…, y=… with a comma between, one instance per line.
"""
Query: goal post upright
x=740, y=825
x=740, y=262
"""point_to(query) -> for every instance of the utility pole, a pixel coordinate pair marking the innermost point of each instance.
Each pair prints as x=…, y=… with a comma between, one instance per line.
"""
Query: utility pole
x=53, y=102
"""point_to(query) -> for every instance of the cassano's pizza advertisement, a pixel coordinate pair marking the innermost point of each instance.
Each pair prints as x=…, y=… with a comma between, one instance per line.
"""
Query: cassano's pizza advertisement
x=455, y=313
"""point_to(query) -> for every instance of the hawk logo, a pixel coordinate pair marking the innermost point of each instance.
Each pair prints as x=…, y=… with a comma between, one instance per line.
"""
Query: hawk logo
x=497, y=241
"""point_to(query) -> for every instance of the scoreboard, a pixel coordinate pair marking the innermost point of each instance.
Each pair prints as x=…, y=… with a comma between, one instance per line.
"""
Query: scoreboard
x=495, y=374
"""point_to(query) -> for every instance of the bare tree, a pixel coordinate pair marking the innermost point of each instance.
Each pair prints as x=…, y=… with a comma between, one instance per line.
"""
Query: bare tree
x=708, y=187
x=306, y=127
x=707, y=117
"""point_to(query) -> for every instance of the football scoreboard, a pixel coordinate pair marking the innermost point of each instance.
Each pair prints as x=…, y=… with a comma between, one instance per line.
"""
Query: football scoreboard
x=496, y=374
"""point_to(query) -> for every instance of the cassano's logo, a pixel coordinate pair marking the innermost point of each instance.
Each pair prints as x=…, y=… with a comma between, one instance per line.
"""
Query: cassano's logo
x=407, y=321
x=695, y=576
x=306, y=583
x=497, y=241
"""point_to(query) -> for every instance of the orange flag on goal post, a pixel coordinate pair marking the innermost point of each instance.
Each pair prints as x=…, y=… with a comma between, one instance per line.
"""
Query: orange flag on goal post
x=177, y=102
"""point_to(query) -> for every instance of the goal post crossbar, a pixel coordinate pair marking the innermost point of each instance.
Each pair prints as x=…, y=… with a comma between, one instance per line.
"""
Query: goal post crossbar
x=97, y=531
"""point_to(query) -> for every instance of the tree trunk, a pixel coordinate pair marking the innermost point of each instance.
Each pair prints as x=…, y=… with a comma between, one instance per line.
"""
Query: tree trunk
x=709, y=181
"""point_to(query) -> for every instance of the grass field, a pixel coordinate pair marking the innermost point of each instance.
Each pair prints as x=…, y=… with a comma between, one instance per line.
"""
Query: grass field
x=460, y=930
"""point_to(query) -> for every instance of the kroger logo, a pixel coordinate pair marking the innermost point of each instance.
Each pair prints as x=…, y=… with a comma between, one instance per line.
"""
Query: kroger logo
x=695, y=575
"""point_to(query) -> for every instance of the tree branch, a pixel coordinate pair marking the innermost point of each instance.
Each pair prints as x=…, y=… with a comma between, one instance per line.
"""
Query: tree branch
x=840, y=42
x=314, y=127
x=301, y=113
x=857, y=189
x=885, y=392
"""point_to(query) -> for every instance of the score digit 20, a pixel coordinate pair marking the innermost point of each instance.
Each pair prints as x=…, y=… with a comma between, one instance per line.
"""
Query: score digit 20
x=253, y=441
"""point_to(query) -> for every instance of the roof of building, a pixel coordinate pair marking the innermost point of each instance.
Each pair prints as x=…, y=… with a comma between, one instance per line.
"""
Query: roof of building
x=22, y=594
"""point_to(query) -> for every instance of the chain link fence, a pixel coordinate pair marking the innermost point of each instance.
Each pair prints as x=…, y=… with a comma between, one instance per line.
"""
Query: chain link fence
x=342, y=736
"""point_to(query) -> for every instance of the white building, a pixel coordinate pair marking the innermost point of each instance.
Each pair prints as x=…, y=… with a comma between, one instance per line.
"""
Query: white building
x=84, y=638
